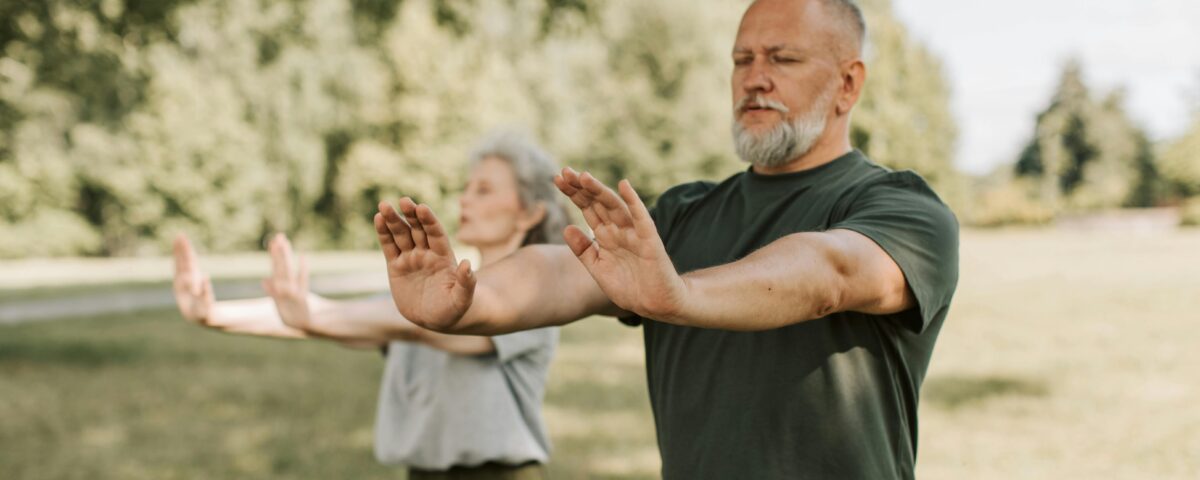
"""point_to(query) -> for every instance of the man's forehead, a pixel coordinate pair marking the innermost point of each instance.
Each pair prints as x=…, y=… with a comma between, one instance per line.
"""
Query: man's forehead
x=772, y=38
x=775, y=24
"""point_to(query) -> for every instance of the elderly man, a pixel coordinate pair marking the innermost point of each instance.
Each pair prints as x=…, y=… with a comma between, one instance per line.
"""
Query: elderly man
x=789, y=311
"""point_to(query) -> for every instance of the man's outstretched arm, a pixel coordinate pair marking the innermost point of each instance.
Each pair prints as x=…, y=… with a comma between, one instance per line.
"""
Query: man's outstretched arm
x=799, y=277
x=537, y=286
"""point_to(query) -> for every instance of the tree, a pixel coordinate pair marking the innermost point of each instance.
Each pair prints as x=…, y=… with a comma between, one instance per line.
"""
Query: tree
x=1088, y=154
x=122, y=123
x=1180, y=161
x=904, y=119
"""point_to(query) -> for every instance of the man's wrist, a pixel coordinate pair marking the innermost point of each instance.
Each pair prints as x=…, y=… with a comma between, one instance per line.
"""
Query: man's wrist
x=680, y=307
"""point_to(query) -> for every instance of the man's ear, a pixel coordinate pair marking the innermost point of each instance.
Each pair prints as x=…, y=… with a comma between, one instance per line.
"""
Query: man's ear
x=854, y=74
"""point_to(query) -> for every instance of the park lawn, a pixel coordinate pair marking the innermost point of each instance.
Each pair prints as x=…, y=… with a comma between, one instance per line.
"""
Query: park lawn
x=1066, y=355
x=150, y=396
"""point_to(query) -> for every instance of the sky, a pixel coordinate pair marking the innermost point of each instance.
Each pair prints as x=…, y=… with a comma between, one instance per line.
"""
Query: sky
x=1004, y=58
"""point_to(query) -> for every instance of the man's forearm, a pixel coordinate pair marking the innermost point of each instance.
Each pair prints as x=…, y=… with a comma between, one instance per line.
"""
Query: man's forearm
x=798, y=278
x=758, y=292
x=538, y=286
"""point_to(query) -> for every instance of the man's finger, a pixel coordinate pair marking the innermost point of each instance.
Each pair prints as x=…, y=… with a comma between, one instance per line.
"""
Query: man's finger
x=564, y=187
x=614, y=209
x=571, y=177
x=409, y=209
x=435, y=235
x=641, y=215
x=465, y=276
x=572, y=189
x=397, y=226
x=577, y=240
x=589, y=214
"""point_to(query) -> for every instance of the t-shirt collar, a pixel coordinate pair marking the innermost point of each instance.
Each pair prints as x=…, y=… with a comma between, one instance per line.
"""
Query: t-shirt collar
x=804, y=176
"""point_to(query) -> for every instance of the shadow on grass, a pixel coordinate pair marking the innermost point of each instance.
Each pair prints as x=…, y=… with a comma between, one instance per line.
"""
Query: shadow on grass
x=75, y=353
x=958, y=391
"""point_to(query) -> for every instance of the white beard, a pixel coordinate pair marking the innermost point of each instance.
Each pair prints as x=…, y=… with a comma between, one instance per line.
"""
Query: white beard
x=787, y=140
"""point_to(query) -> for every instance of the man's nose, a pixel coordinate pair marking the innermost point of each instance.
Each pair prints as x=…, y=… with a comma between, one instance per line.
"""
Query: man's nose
x=758, y=78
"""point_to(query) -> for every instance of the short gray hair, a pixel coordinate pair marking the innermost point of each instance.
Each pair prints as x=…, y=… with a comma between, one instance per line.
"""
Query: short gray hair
x=851, y=15
x=534, y=170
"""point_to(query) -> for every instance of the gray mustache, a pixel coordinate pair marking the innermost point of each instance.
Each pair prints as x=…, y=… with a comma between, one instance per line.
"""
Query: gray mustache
x=762, y=102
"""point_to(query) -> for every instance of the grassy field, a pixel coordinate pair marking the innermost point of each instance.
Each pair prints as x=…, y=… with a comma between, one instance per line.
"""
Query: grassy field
x=1066, y=355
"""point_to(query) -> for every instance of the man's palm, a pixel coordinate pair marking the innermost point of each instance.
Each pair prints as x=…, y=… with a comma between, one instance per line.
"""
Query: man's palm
x=627, y=258
x=429, y=287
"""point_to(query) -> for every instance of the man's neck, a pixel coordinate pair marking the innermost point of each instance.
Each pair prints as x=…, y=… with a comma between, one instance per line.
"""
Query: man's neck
x=827, y=149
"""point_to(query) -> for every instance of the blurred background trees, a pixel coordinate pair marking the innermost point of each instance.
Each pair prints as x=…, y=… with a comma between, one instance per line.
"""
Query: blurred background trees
x=123, y=122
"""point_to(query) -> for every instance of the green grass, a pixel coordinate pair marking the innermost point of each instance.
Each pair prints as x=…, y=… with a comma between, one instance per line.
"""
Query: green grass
x=149, y=396
x=1065, y=356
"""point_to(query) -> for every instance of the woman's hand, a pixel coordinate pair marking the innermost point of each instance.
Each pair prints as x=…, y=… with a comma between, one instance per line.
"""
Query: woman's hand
x=288, y=285
x=192, y=288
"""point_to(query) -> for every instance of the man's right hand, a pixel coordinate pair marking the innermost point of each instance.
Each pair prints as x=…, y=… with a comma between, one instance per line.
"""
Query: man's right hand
x=193, y=289
x=429, y=286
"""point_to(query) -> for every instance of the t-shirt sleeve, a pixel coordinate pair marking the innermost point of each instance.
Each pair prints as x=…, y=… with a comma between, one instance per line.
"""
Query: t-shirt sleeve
x=906, y=218
x=517, y=344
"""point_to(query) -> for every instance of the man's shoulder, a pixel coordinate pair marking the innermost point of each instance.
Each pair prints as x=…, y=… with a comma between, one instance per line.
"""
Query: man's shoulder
x=686, y=192
x=680, y=197
x=874, y=179
x=677, y=201
x=874, y=187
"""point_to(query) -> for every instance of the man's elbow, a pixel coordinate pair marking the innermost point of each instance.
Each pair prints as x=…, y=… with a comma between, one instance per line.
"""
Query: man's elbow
x=826, y=301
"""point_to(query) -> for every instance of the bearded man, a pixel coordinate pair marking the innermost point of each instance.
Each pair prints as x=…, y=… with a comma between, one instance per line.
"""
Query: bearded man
x=789, y=311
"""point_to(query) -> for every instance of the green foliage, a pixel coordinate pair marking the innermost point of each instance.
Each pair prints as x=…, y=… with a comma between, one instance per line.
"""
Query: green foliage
x=1190, y=213
x=1180, y=161
x=1005, y=201
x=1087, y=154
x=903, y=119
x=123, y=123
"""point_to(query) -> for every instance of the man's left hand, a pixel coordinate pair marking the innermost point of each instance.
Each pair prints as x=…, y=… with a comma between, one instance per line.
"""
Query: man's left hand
x=627, y=258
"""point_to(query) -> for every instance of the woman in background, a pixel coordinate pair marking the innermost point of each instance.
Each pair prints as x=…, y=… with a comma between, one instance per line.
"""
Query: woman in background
x=450, y=406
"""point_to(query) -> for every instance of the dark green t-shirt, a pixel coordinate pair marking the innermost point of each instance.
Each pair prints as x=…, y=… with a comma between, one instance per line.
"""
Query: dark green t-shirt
x=833, y=398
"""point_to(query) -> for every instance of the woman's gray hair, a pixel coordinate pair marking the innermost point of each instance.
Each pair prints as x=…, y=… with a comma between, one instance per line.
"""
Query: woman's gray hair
x=534, y=170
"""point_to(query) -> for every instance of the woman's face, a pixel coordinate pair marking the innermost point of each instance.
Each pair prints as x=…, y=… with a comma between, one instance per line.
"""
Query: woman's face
x=491, y=207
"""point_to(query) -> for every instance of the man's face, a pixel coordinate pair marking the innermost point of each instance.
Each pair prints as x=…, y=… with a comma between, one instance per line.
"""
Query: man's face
x=783, y=56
